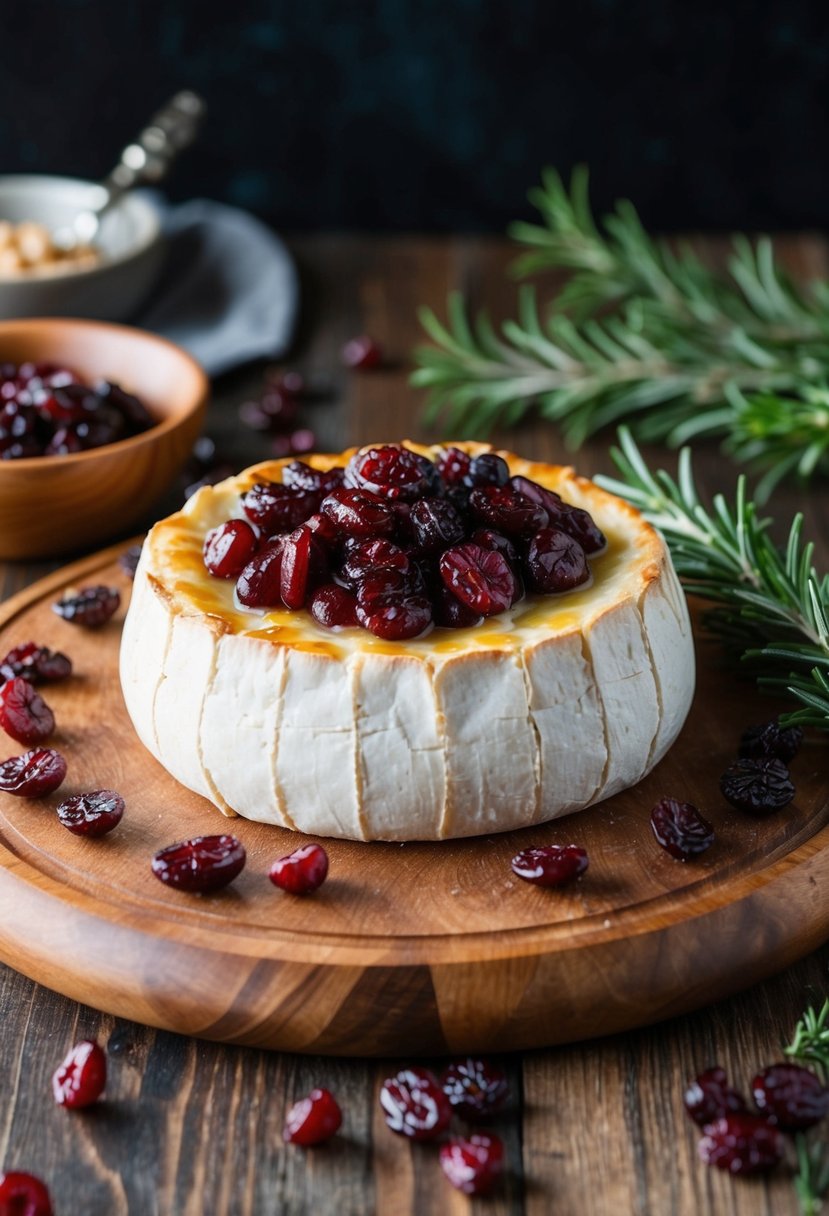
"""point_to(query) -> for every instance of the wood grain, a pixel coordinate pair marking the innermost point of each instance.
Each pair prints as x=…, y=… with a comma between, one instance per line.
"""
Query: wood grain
x=193, y=1127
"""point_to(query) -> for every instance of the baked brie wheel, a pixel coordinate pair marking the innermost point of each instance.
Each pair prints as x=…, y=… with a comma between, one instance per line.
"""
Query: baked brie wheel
x=539, y=710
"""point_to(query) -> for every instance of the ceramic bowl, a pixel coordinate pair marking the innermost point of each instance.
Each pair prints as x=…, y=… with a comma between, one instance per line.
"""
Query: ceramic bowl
x=51, y=505
x=130, y=240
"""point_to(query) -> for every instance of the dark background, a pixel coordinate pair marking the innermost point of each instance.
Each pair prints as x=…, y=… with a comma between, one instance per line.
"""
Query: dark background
x=438, y=114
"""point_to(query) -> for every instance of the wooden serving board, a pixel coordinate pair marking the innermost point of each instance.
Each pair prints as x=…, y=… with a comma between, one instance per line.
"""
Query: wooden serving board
x=408, y=948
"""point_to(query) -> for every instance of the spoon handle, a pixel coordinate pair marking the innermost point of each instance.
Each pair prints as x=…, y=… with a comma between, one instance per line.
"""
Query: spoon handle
x=149, y=157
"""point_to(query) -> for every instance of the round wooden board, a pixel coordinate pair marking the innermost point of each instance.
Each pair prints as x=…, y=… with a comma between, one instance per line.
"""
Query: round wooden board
x=415, y=948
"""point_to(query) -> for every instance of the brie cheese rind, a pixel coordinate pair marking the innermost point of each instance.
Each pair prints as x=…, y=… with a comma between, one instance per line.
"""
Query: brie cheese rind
x=540, y=711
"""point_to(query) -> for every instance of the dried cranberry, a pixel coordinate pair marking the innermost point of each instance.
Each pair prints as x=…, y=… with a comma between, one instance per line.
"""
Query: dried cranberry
x=334, y=607
x=741, y=1144
x=488, y=538
x=476, y=1088
x=555, y=562
x=392, y=472
x=473, y=1164
x=453, y=466
x=395, y=617
x=709, y=1097
x=23, y=1195
x=540, y=495
x=80, y=1079
x=300, y=476
x=313, y=1120
x=359, y=513
x=375, y=586
x=274, y=411
x=35, y=663
x=550, y=865
x=771, y=740
x=582, y=527
x=480, y=578
x=506, y=510
x=23, y=713
x=323, y=529
x=229, y=548
x=302, y=871
x=303, y=440
x=275, y=508
x=259, y=584
x=791, y=1097
x=487, y=470
x=202, y=864
x=680, y=829
x=370, y=555
x=129, y=559
x=131, y=408
x=450, y=613
x=90, y=607
x=757, y=786
x=435, y=525
x=92, y=814
x=415, y=1105
x=302, y=567
x=34, y=774
x=362, y=354
x=289, y=381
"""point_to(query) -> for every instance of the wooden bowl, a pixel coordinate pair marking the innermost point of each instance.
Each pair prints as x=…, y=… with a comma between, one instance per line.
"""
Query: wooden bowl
x=61, y=504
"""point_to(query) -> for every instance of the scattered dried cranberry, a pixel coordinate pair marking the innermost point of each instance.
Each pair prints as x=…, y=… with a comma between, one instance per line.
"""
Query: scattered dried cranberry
x=550, y=865
x=791, y=1097
x=90, y=607
x=555, y=562
x=741, y=1144
x=772, y=740
x=390, y=471
x=473, y=1164
x=362, y=354
x=302, y=440
x=302, y=871
x=359, y=513
x=334, y=607
x=476, y=1088
x=259, y=584
x=680, y=829
x=757, y=786
x=275, y=508
x=709, y=1097
x=274, y=411
x=129, y=559
x=23, y=713
x=81, y=1078
x=415, y=1105
x=23, y=1195
x=480, y=578
x=202, y=864
x=509, y=512
x=92, y=814
x=229, y=548
x=37, y=664
x=313, y=1120
x=34, y=774
x=487, y=470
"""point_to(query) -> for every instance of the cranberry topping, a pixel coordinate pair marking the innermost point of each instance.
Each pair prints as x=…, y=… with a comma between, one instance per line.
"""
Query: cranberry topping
x=34, y=774
x=313, y=1120
x=505, y=509
x=389, y=471
x=373, y=555
x=680, y=829
x=80, y=1079
x=323, y=529
x=334, y=607
x=757, y=786
x=359, y=513
x=300, y=476
x=488, y=538
x=555, y=562
x=260, y=583
x=435, y=525
x=92, y=814
x=23, y=1195
x=202, y=864
x=473, y=1164
x=302, y=567
x=540, y=495
x=37, y=664
x=450, y=613
x=487, y=470
x=741, y=1144
x=23, y=713
x=302, y=871
x=771, y=740
x=362, y=354
x=480, y=578
x=582, y=527
x=476, y=1088
x=550, y=865
x=415, y=1105
x=709, y=1097
x=90, y=607
x=229, y=548
x=453, y=466
x=275, y=508
x=791, y=1097
x=395, y=617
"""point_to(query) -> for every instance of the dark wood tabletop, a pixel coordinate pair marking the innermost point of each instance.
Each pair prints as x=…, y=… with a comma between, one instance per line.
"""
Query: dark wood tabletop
x=192, y=1128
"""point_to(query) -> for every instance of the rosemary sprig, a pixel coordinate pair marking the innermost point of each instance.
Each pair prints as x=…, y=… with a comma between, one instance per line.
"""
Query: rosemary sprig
x=643, y=333
x=810, y=1047
x=810, y=1041
x=771, y=606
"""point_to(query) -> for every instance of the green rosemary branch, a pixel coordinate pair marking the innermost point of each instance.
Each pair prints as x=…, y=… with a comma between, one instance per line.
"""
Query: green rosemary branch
x=810, y=1047
x=810, y=1041
x=643, y=333
x=771, y=607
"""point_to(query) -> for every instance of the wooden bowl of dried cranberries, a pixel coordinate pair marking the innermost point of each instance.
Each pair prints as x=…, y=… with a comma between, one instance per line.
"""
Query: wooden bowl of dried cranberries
x=96, y=420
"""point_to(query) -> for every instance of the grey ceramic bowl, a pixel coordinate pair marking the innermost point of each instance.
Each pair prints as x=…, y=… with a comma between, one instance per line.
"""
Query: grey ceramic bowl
x=130, y=240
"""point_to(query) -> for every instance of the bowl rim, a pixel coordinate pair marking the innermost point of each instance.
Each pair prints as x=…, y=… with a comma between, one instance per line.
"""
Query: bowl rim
x=132, y=198
x=157, y=431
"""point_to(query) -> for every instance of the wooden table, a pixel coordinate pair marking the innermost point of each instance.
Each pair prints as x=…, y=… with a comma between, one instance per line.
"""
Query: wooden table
x=193, y=1128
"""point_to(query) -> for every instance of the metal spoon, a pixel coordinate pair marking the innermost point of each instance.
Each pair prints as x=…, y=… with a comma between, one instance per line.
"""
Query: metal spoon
x=143, y=162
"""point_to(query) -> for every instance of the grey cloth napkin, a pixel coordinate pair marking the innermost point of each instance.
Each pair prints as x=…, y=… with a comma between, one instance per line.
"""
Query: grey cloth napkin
x=229, y=290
